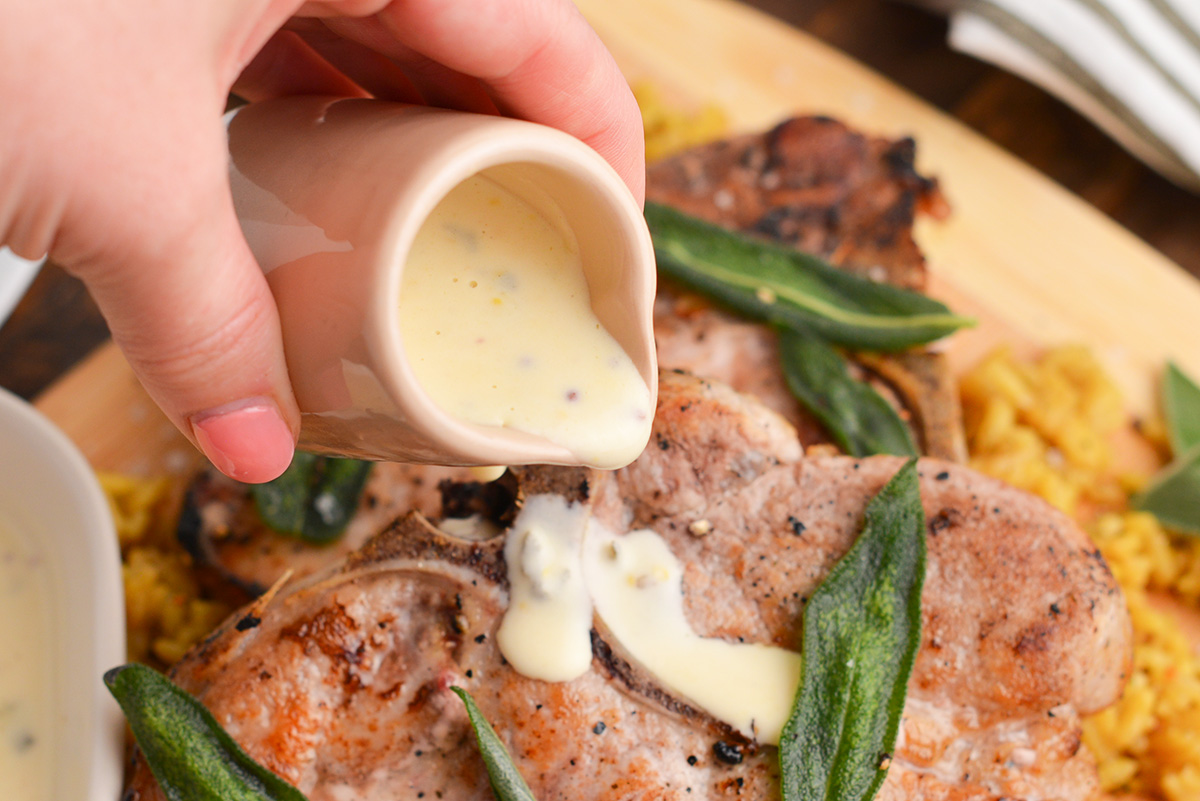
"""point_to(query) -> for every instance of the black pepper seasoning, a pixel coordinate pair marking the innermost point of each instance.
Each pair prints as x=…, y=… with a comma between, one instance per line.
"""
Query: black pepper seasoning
x=248, y=622
x=729, y=753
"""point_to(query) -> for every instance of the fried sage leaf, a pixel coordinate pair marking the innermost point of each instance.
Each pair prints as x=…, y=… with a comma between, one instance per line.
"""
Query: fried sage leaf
x=861, y=631
x=1173, y=496
x=1181, y=407
x=780, y=285
x=506, y=780
x=858, y=418
x=314, y=499
x=188, y=752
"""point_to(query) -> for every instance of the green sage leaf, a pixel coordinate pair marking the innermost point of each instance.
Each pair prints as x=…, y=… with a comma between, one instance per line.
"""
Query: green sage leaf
x=776, y=284
x=862, y=628
x=1181, y=408
x=315, y=498
x=506, y=780
x=858, y=418
x=188, y=752
x=1173, y=495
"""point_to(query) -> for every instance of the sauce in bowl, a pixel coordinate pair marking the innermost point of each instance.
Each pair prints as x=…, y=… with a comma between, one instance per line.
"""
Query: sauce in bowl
x=27, y=666
x=62, y=622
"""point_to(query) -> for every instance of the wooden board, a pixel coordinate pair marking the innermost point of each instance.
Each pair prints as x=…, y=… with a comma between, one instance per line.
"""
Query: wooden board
x=103, y=408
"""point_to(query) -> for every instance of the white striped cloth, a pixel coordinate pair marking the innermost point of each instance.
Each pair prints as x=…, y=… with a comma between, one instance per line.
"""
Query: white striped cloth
x=16, y=274
x=1131, y=66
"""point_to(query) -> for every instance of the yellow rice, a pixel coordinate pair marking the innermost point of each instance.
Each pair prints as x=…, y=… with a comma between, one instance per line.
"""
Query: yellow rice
x=166, y=611
x=670, y=129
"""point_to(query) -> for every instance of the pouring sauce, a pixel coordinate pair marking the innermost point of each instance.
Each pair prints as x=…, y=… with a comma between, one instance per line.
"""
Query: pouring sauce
x=636, y=585
x=497, y=325
x=565, y=568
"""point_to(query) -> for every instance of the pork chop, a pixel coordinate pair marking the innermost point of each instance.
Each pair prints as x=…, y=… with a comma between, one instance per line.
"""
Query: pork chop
x=341, y=682
x=813, y=183
x=223, y=531
x=816, y=184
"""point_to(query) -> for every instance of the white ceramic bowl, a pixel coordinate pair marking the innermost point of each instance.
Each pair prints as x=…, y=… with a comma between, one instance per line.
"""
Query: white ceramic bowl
x=54, y=509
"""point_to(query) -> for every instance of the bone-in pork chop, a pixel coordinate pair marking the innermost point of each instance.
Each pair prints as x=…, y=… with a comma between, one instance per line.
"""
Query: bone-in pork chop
x=342, y=687
x=225, y=534
x=816, y=184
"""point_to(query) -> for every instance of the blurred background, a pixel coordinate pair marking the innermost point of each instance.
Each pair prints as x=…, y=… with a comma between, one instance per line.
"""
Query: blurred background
x=908, y=44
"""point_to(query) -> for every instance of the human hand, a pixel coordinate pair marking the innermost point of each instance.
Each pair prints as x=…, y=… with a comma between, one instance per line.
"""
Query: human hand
x=113, y=160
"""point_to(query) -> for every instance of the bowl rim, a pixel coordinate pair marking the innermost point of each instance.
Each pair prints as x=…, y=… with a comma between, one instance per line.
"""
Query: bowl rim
x=102, y=763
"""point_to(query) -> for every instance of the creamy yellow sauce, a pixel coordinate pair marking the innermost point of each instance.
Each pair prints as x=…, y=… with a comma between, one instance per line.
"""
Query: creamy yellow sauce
x=26, y=672
x=497, y=325
x=563, y=567
x=636, y=584
x=546, y=631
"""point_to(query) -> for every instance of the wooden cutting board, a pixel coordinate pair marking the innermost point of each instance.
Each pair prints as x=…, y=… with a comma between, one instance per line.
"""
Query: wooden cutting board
x=1034, y=263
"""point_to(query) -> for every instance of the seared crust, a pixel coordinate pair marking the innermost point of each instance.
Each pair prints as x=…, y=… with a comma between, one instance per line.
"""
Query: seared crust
x=813, y=183
x=340, y=683
x=1013, y=588
x=342, y=686
x=413, y=539
x=220, y=527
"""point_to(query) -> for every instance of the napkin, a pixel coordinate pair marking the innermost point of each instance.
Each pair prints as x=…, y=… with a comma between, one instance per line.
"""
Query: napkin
x=15, y=276
x=1131, y=66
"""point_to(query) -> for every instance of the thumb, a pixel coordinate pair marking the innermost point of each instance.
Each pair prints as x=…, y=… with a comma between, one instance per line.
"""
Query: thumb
x=192, y=312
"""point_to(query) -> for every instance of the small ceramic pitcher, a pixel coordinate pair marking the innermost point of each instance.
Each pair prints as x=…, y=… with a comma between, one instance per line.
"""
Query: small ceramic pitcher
x=331, y=193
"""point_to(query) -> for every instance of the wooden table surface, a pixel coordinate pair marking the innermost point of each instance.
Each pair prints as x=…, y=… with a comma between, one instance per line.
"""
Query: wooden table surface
x=57, y=324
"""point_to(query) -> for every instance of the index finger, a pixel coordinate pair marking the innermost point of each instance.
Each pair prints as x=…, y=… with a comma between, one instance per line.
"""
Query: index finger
x=539, y=59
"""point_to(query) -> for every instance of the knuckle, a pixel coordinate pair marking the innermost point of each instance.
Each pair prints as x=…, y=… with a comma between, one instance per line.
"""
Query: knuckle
x=196, y=349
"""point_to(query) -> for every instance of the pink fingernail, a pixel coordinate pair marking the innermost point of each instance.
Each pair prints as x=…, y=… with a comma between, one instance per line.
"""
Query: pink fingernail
x=246, y=440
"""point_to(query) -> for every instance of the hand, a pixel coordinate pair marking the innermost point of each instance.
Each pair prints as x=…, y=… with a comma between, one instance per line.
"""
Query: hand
x=113, y=160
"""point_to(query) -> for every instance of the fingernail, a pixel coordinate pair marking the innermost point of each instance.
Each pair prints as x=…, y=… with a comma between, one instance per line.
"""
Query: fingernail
x=246, y=440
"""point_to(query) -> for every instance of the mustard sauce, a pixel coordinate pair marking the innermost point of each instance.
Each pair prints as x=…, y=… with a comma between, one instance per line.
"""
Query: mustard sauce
x=496, y=322
x=564, y=567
